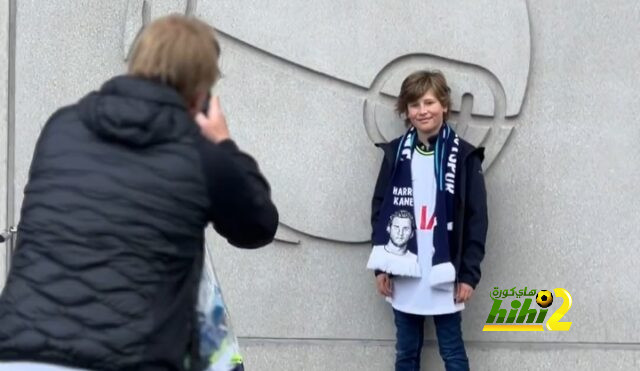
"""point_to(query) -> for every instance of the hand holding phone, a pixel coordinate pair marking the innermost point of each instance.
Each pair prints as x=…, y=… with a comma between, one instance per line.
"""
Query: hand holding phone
x=212, y=121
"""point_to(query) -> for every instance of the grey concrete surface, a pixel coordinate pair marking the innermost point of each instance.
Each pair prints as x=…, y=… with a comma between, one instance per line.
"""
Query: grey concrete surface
x=331, y=71
x=317, y=289
x=64, y=50
x=564, y=213
x=265, y=355
x=550, y=88
x=549, y=225
x=4, y=122
x=344, y=40
x=321, y=122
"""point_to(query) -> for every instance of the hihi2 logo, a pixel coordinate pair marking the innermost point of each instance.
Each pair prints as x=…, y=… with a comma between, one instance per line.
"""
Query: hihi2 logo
x=522, y=317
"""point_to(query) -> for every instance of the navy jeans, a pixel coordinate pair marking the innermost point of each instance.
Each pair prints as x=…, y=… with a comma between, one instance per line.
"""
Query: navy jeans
x=410, y=337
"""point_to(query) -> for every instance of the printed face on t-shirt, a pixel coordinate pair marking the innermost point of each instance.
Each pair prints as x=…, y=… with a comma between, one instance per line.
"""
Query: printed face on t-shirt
x=400, y=231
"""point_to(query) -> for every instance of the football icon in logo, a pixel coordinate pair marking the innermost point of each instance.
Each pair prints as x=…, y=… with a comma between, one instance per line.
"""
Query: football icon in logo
x=544, y=298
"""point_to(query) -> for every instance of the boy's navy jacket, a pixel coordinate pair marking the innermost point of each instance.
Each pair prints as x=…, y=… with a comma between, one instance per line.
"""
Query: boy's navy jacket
x=110, y=243
x=470, y=221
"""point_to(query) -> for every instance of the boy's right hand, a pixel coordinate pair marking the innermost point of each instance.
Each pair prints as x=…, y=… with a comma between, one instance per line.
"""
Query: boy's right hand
x=384, y=284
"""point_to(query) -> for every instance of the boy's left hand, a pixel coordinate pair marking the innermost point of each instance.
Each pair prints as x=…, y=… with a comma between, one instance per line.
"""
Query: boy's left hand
x=464, y=291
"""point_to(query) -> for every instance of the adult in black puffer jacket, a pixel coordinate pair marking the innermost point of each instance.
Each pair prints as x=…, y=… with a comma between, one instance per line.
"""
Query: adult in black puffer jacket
x=110, y=241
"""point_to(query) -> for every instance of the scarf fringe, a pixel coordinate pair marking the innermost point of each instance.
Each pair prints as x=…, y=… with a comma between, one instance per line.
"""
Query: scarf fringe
x=442, y=276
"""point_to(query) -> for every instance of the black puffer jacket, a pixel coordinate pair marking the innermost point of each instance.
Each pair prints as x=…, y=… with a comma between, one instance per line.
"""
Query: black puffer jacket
x=110, y=241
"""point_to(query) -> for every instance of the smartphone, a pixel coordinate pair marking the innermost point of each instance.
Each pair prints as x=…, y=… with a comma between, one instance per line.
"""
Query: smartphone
x=205, y=106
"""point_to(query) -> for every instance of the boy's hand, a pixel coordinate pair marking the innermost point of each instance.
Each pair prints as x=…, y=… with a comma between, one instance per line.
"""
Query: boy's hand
x=384, y=284
x=464, y=291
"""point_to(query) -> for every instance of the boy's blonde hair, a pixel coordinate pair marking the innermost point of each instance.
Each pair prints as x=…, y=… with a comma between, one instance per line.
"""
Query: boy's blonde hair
x=179, y=51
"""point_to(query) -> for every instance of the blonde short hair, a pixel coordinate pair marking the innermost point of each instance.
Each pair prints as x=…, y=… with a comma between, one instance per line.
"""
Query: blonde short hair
x=179, y=51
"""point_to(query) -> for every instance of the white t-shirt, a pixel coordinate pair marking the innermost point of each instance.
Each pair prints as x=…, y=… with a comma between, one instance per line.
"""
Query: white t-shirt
x=415, y=295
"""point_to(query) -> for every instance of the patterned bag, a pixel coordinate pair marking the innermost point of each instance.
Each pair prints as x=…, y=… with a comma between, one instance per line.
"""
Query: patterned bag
x=219, y=348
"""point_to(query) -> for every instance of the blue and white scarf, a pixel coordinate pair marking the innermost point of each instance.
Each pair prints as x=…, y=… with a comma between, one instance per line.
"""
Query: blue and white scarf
x=395, y=249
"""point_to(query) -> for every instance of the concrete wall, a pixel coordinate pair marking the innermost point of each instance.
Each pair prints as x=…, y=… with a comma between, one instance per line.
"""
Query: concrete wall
x=550, y=88
x=4, y=126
